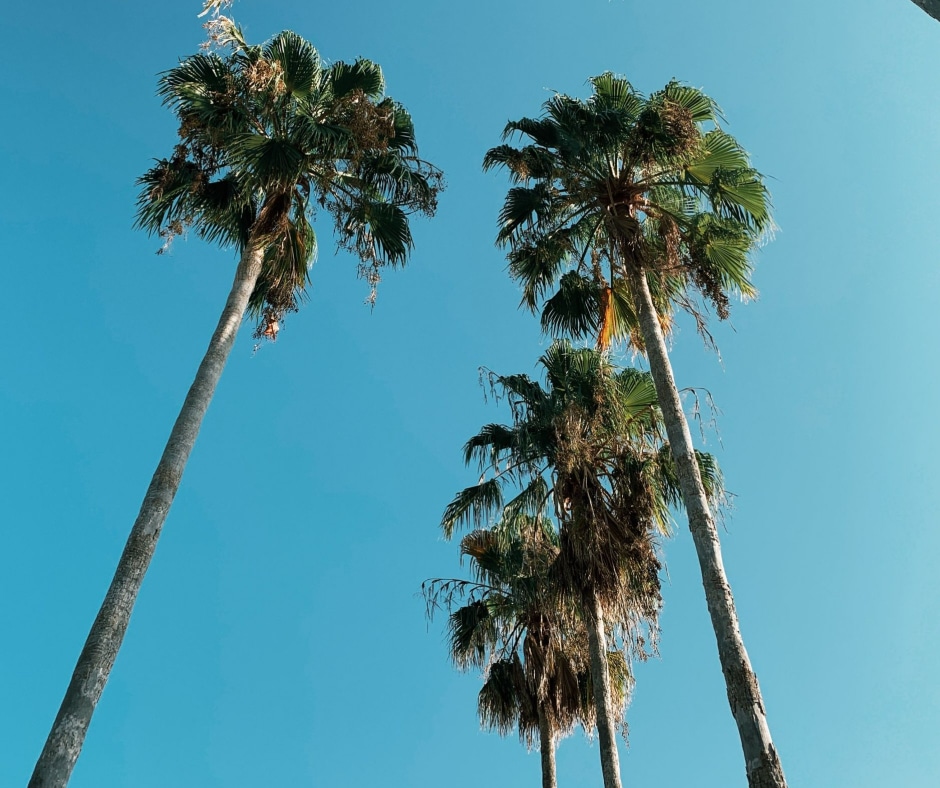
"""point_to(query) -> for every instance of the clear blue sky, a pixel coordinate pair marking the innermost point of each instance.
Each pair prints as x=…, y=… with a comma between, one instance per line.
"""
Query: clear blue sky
x=278, y=639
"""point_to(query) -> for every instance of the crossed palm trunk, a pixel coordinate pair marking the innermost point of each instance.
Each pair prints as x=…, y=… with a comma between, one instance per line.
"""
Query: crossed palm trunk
x=96, y=660
x=747, y=706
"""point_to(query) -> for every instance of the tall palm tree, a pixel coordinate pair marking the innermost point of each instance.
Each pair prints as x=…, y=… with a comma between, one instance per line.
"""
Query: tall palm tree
x=267, y=133
x=629, y=206
x=533, y=652
x=588, y=446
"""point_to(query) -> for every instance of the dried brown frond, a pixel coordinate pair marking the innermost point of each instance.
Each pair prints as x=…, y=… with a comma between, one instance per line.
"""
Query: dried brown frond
x=214, y=7
x=668, y=232
x=607, y=511
x=170, y=233
x=265, y=76
x=606, y=331
x=220, y=31
x=680, y=129
x=371, y=272
x=370, y=125
x=274, y=217
x=711, y=288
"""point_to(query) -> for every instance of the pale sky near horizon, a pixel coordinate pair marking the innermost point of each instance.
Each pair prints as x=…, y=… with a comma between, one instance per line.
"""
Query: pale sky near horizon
x=279, y=638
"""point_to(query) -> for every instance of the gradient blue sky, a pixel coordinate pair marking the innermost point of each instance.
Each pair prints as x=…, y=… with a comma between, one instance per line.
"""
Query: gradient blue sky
x=278, y=639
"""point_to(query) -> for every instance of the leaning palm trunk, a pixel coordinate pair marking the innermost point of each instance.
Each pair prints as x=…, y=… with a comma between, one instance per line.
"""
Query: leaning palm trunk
x=932, y=7
x=547, y=750
x=747, y=706
x=600, y=678
x=64, y=744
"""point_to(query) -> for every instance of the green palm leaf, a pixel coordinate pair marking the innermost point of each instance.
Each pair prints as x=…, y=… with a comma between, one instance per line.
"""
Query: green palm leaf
x=573, y=310
x=299, y=62
x=473, y=505
x=363, y=75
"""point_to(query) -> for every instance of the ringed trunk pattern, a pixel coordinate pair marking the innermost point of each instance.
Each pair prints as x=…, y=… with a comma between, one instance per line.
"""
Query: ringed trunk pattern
x=600, y=678
x=547, y=750
x=747, y=706
x=62, y=748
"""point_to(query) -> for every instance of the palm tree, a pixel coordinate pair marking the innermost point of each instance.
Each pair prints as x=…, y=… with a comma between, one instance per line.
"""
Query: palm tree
x=533, y=653
x=266, y=134
x=628, y=206
x=590, y=445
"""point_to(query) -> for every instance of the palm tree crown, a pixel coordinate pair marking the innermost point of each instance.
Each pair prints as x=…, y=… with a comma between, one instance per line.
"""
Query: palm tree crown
x=589, y=447
x=267, y=133
x=514, y=626
x=620, y=181
x=509, y=627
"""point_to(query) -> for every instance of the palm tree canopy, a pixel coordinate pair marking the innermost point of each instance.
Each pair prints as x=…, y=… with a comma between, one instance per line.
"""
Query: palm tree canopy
x=585, y=400
x=588, y=448
x=622, y=181
x=532, y=650
x=267, y=133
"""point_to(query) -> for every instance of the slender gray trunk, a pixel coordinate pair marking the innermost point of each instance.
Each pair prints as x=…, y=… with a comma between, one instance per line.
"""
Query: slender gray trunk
x=932, y=7
x=547, y=750
x=64, y=744
x=600, y=678
x=761, y=760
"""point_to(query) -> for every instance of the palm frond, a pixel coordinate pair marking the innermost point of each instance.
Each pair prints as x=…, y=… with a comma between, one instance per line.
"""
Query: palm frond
x=299, y=62
x=573, y=310
x=523, y=206
x=270, y=160
x=614, y=92
x=472, y=632
x=536, y=264
x=363, y=75
x=542, y=131
x=499, y=701
x=530, y=501
x=701, y=107
x=488, y=444
x=473, y=505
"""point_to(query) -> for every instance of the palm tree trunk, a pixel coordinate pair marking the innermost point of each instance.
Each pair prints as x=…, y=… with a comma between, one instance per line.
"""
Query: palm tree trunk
x=932, y=7
x=600, y=678
x=547, y=750
x=761, y=760
x=64, y=744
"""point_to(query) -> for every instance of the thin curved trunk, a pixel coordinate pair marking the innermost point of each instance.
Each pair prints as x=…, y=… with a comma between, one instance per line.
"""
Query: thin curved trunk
x=932, y=7
x=547, y=750
x=600, y=678
x=761, y=760
x=64, y=744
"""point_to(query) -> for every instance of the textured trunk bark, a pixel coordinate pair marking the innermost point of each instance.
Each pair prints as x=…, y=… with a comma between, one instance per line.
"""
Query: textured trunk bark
x=932, y=7
x=600, y=678
x=761, y=760
x=64, y=744
x=547, y=751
